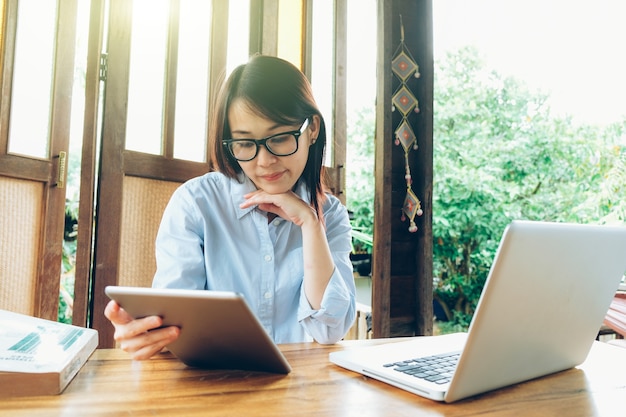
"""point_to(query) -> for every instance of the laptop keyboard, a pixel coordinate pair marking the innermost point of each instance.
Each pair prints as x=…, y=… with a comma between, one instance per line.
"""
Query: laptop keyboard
x=437, y=368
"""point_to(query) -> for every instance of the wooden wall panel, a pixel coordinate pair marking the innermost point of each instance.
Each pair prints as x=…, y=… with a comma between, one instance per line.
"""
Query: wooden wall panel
x=21, y=202
x=143, y=202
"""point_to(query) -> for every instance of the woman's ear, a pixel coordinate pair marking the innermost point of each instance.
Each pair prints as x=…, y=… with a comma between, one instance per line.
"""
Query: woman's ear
x=314, y=128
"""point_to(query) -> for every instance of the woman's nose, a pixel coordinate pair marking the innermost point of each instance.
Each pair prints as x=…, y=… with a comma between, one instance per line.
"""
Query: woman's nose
x=265, y=157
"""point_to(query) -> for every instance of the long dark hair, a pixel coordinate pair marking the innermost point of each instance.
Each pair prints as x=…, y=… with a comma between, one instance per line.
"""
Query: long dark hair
x=279, y=91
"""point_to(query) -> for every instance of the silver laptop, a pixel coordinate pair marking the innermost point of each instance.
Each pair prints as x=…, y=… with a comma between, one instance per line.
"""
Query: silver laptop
x=218, y=329
x=544, y=301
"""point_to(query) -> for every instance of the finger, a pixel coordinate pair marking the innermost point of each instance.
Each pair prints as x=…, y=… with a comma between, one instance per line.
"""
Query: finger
x=136, y=327
x=148, y=344
x=116, y=314
x=273, y=201
x=250, y=200
x=271, y=208
x=251, y=194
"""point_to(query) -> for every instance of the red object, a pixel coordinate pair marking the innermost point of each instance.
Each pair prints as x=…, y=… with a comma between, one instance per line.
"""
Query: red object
x=616, y=316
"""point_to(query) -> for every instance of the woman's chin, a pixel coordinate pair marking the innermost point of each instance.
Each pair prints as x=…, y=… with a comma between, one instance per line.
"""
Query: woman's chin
x=274, y=188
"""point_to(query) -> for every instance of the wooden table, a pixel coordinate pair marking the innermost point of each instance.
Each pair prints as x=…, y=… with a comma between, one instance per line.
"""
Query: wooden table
x=111, y=384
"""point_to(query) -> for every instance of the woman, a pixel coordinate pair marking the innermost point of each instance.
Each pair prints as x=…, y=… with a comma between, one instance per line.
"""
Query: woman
x=261, y=224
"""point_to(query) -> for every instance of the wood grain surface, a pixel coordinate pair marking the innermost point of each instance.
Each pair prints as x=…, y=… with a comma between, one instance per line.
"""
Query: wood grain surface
x=111, y=384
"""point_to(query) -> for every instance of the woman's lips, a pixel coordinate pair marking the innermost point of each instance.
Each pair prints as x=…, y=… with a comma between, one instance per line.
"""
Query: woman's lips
x=272, y=177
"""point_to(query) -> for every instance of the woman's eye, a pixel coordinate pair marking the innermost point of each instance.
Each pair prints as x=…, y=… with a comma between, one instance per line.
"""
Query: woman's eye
x=277, y=140
x=244, y=144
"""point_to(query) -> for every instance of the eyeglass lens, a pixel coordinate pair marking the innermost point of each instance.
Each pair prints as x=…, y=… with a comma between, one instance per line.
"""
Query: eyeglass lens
x=280, y=145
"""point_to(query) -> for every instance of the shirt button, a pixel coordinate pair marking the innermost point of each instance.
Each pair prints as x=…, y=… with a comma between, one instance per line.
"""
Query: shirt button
x=276, y=222
x=267, y=295
x=268, y=258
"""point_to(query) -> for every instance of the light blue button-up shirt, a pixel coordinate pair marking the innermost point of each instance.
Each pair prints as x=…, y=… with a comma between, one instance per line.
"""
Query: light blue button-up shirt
x=206, y=241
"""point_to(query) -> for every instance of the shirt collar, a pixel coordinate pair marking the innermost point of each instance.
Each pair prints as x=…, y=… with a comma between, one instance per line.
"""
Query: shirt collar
x=241, y=186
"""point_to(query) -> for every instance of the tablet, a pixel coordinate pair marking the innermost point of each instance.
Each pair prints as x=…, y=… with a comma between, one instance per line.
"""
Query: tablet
x=218, y=329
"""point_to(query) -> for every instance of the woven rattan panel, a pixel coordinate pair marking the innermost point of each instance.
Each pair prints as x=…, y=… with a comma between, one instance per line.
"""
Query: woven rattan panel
x=143, y=203
x=20, y=226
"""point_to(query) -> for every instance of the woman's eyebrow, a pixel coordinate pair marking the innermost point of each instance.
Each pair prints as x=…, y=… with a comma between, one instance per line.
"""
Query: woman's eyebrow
x=272, y=128
x=239, y=132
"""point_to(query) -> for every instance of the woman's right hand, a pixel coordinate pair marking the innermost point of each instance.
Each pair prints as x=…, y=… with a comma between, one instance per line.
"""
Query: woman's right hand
x=142, y=338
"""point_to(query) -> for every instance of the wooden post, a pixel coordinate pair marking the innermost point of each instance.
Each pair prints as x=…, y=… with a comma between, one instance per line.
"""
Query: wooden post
x=402, y=261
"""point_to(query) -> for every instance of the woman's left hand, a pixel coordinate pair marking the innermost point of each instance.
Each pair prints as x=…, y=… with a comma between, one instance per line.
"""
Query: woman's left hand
x=286, y=205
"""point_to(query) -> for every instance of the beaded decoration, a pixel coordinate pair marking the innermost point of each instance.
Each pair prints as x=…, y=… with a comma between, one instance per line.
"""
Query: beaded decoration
x=404, y=66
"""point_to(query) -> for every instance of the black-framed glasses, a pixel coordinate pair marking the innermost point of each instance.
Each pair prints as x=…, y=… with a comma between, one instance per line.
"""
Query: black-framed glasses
x=280, y=144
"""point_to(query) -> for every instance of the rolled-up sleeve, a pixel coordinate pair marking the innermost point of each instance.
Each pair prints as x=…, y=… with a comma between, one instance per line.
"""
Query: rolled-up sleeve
x=336, y=315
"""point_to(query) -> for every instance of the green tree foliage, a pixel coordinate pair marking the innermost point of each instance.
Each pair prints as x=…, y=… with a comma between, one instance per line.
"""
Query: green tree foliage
x=499, y=155
x=360, y=176
x=68, y=266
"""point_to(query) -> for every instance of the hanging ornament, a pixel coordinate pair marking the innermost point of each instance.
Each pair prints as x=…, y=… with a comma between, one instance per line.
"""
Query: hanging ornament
x=404, y=66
